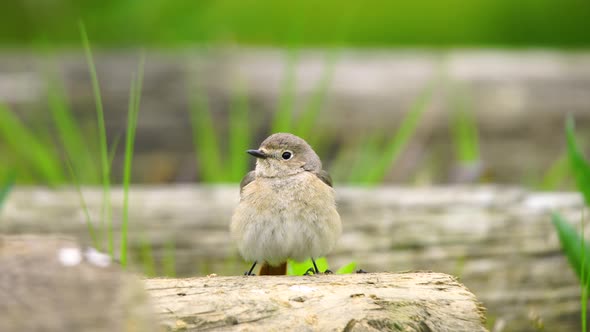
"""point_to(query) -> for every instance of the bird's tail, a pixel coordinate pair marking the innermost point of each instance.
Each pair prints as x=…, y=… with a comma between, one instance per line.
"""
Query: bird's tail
x=267, y=270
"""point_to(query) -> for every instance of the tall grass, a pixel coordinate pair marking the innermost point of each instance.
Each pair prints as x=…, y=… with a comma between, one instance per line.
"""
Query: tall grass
x=169, y=260
x=308, y=117
x=89, y=223
x=132, y=115
x=230, y=165
x=556, y=174
x=103, y=144
x=464, y=129
x=375, y=156
x=6, y=186
x=75, y=145
x=283, y=117
x=395, y=145
x=107, y=155
x=205, y=140
x=239, y=134
x=573, y=245
x=146, y=257
x=33, y=150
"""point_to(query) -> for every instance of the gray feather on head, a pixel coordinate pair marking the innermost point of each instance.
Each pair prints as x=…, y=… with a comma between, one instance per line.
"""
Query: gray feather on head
x=299, y=147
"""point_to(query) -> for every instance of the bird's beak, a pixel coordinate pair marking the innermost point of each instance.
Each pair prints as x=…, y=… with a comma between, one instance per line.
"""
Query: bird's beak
x=258, y=154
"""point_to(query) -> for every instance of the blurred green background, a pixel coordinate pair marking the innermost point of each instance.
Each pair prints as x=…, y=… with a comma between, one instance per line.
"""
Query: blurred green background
x=371, y=23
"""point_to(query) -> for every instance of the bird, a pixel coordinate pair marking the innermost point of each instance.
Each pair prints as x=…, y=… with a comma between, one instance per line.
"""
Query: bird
x=287, y=208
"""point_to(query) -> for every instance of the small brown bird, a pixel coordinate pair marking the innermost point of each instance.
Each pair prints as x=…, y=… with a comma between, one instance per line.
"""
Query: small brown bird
x=287, y=208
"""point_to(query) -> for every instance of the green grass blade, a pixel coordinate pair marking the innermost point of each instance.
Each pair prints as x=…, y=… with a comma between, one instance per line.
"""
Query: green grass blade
x=401, y=138
x=340, y=167
x=557, y=173
x=308, y=117
x=368, y=154
x=239, y=135
x=113, y=150
x=205, y=141
x=6, y=186
x=465, y=132
x=579, y=166
x=106, y=176
x=169, y=261
x=89, y=224
x=70, y=135
x=39, y=154
x=283, y=117
x=573, y=246
x=132, y=116
x=146, y=257
x=347, y=269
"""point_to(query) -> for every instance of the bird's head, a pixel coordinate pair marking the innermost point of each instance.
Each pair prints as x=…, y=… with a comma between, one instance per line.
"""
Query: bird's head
x=284, y=154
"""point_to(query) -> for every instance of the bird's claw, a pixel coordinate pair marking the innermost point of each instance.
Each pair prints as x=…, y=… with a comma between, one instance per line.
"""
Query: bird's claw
x=311, y=271
x=249, y=274
x=361, y=271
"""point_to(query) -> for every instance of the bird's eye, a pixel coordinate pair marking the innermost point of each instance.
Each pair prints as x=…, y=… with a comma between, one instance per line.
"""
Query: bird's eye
x=287, y=155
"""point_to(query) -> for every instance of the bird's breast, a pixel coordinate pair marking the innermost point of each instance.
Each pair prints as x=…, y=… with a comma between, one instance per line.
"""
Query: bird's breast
x=300, y=192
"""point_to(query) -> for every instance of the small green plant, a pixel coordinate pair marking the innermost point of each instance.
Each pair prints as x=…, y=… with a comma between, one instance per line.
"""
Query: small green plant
x=299, y=268
x=33, y=154
x=106, y=211
x=6, y=186
x=573, y=245
x=556, y=174
x=169, y=260
x=146, y=257
x=464, y=130
x=75, y=145
x=282, y=120
x=106, y=156
x=132, y=114
x=375, y=154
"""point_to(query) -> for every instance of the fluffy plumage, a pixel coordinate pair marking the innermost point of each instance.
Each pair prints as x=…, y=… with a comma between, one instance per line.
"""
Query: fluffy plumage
x=287, y=208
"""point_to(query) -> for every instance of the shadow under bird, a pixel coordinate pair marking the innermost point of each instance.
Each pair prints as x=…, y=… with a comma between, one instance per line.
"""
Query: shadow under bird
x=287, y=208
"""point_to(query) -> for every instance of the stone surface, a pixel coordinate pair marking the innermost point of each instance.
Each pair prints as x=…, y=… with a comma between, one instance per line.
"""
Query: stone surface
x=52, y=284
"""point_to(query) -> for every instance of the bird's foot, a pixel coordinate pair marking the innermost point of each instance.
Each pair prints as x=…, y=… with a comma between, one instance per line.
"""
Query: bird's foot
x=311, y=271
x=361, y=271
x=249, y=272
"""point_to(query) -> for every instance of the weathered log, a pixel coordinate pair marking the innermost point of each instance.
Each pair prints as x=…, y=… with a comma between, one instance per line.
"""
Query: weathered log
x=51, y=284
x=499, y=240
x=412, y=301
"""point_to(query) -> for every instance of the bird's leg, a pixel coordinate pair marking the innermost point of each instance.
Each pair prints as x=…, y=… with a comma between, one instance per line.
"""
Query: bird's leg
x=316, y=270
x=312, y=270
x=249, y=273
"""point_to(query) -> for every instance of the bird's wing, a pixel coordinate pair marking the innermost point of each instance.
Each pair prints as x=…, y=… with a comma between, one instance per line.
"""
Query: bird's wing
x=324, y=176
x=247, y=179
